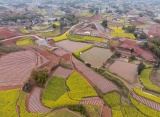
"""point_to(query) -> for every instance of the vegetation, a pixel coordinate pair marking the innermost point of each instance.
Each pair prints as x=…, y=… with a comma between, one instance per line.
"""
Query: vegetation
x=56, y=98
x=79, y=87
x=144, y=78
x=132, y=57
x=116, y=113
x=10, y=48
x=144, y=109
x=8, y=101
x=24, y=31
x=91, y=110
x=78, y=108
x=129, y=111
x=78, y=57
x=113, y=100
x=60, y=38
x=40, y=75
x=57, y=24
x=54, y=89
x=64, y=113
x=153, y=45
x=148, y=96
x=84, y=38
x=43, y=28
x=104, y=23
x=124, y=89
x=82, y=50
x=119, y=32
x=141, y=67
x=25, y=41
x=51, y=34
x=130, y=29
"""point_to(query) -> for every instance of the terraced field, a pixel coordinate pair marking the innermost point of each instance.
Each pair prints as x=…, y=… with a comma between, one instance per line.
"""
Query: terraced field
x=15, y=67
x=34, y=104
x=103, y=84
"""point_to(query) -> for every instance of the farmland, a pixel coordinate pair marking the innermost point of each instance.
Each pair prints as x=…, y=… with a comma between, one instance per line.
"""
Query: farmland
x=78, y=87
x=96, y=56
x=24, y=31
x=51, y=34
x=84, y=38
x=125, y=70
x=119, y=32
x=25, y=41
x=144, y=78
x=43, y=28
x=64, y=37
x=8, y=101
x=60, y=97
x=71, y=46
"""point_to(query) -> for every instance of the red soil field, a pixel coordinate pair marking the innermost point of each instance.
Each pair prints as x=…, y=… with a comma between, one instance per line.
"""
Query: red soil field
x=62, y=72
x=92, y=101
x=125, y=70
x=10, y=42
x=34, y=103
x=15, y=68
x=60, y=52
x=6, y=33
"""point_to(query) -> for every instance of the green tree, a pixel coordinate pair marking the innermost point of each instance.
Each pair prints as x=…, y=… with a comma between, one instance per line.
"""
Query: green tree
x=132, y=57
x=141, y=66
x=105, y=23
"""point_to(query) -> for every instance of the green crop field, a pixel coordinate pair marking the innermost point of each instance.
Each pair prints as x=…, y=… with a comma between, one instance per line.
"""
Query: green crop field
x=8, y=101
x=60, y=38
x=51, y=34
x=25, y=41
x=56, y=98
x=79, y=87
x=144, y=78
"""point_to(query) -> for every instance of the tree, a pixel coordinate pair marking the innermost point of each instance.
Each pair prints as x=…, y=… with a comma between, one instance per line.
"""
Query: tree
x=140, y=14
x=97, y=12
x=118, y=54
x=141, y=66
x=54, y=26
x=105, y=23
x=131, y=29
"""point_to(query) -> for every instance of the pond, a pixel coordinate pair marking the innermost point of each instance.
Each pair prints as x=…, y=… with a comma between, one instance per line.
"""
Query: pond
x=96, y=56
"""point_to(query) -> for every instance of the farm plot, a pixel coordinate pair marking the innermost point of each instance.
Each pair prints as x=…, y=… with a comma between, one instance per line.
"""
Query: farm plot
x=125, y=70
x=57, y=98
x=6, y=33
x=15, y=67
x=71, y=46
x=119, y=32
x=145, y=79
x=79, y=87
x=102, y=83
x=25, y=41
x=42, y=28
x=63, y=37
x=62, y=72
x=34, y=104
x=51, y=34
x=96, y=56
x=8, y=101
x=60, y=52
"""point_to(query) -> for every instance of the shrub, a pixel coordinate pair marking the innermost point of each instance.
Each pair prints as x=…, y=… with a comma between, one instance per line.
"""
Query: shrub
x=79, y=87
x=140, y=68
x=133, y=57
x=40, y=76
x=78, y=57
x=78, y=108
x=144, y=78
x=113, y=100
